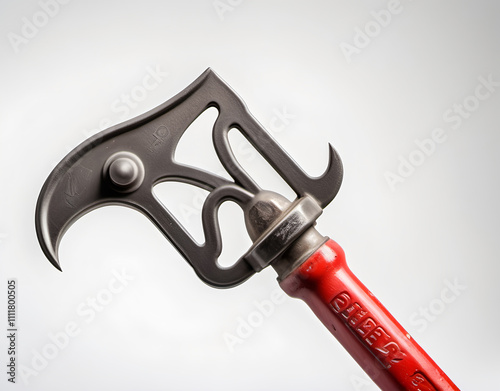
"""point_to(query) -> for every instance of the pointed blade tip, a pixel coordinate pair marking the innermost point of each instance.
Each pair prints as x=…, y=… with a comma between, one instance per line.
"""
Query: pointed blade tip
x=57, y=266
x=53, y=259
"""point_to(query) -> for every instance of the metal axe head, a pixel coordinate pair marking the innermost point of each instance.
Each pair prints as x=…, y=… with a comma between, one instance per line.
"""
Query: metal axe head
x=121, y=165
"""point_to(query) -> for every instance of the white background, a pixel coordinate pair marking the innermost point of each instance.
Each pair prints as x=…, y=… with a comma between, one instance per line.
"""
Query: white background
x=164, y=330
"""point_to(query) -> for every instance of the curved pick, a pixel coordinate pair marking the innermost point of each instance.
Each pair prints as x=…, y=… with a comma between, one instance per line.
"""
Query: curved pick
x=121, y=165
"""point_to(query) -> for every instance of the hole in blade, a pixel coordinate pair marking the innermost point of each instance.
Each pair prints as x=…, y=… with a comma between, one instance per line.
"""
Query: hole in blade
x=257, y=167
x=185, y=202
x=196, y=147
x=235, y=239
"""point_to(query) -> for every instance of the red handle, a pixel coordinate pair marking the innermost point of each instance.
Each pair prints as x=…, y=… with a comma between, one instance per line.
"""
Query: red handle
x=378, y=343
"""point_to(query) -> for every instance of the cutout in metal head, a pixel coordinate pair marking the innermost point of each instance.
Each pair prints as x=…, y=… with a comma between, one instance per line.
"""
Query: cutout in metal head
x=121, y=165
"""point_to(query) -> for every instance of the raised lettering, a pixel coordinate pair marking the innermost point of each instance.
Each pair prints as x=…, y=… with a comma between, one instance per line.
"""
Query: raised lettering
x=340, y=302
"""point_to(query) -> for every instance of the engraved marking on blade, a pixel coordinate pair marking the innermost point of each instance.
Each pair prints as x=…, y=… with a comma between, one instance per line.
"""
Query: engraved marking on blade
x=159, y=137
x=76, y=184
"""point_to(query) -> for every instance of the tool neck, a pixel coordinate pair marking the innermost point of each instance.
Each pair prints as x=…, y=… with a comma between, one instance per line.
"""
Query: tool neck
x=269, y=213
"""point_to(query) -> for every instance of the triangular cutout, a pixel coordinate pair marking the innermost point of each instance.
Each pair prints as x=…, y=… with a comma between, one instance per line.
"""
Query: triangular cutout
x=196, y=147
x=185, y=202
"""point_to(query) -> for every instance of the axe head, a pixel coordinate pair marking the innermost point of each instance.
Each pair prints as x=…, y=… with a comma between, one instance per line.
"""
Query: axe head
x=121, y=165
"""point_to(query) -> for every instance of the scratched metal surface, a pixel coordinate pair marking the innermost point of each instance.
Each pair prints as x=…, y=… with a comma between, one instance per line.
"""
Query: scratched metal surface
x=408, y=94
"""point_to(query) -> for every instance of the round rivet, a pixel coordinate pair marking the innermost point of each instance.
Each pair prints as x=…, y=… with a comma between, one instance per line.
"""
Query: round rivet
x=125, y=171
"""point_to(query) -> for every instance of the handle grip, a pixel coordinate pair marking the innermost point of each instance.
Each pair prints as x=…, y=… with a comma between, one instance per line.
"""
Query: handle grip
x=379, y=344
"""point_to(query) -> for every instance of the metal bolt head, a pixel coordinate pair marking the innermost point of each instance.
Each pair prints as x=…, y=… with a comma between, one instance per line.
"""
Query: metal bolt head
x=125, y=171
